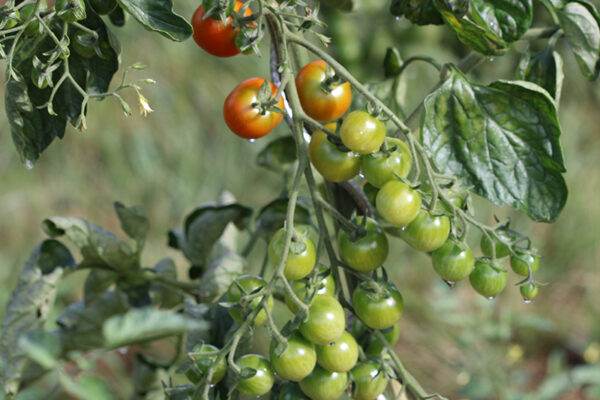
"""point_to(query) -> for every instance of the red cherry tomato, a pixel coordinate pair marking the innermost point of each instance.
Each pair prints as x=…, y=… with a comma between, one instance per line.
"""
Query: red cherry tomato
x=241, y=114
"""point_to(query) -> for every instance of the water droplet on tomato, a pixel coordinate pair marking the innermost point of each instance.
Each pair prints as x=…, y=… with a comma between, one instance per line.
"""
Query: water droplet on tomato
x=28, y=164
x=449, y=283
x=527, y=301
x=397, y=18
x=491, y=297
x=251, y=140
x=361, y=175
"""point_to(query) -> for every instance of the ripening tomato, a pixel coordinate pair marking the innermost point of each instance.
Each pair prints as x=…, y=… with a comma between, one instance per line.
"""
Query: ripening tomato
x=339, y=356
x=453, y=261
x=243, y=117
x=369, y=381
x=262, y=381
x=362, y=133
x=398, y=203
x=204, y=362
x=520, y=267
x=214, y=37
x=325, y=285
x=332, y=163
x=487, y=278
x=324, y=385
x=301, y=257
x=364, y=253
x=426, y=232
x=297, y=360
x=377, y=309
x=383, y=166
x=321, y=97
x=326, y=320
x=242, y=286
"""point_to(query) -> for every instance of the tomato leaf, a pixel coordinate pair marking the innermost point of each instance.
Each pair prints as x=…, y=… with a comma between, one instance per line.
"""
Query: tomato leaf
x=96, y=283
x=163, y=296
x=86, y=387
x=134, y=221
x=272, y=217
x=544, y=68
x=278, y=155
x=418, y=12
x=158, y=16
x=41, y=347
x=117, y=17
x=219, y=274
x=503, y=139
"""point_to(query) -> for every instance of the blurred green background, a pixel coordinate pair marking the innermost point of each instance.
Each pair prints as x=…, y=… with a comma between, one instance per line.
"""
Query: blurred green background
x=183, y=155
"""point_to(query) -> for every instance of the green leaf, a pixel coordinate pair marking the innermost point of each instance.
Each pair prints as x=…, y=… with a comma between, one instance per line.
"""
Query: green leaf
x=583, y=35
x=134, y=221
x=163, y=296
x=420, y=12
x=42, y=347
x=220, y=273
x=544, y=68
x=278, y=155
x=86, y=387
x=145, y=324
x=344, y=5
x=117, y=17
x=391, y=91
x=96, y=283
x=272, y=217
x=158, y=16
x=502, y=139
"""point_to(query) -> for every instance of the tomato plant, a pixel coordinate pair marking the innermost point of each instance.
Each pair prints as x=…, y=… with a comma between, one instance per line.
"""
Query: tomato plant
x=487, y=278
x=333, y=164
x=369, y=381
x=521, y=262
x=453, y=261
x=426, y=232
x=204, y=356
x=262, y=381
x=301, y=257
x=301, y=288
x=247, y=285
x=326, y=320
x=324, y=385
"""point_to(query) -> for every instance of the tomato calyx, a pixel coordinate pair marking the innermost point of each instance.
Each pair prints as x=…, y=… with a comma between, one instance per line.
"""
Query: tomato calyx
x=265, y=102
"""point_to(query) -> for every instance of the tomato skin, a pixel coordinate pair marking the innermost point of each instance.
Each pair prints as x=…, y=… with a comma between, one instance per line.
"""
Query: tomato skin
x=298, y=264
x=339, y=356
x=502, y=249
x=521, y=267
x=324, y=385
x=398, y=203
x=378, y=311
x=453, y=261
x=214, y=37
x=332, y=163
x=260, y=383
x=487, y=279
x=204, y=362
x=362, y=133
x=244, y=119
x=326, y=320
x=365, y=253
x=297, y=361
x=324, y=286
x=380, y=168
x=369, y=381
x=529, y=291
x=234, y=294
x=426, y=232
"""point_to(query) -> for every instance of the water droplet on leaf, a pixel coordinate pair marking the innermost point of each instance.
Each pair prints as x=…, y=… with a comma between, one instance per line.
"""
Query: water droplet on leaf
x=28, y=164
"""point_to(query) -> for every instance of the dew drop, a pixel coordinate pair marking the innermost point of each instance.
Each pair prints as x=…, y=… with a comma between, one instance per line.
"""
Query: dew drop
x=449, y=283
x=491, y=297
x=527, y=301
x=211, y=386
x=397, y=18
x=251, y=140
x=491, y=59
x=28, y=164
x=361, y=175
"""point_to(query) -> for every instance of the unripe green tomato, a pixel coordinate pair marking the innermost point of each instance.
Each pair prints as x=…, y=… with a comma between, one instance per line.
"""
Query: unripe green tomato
x=103, y=7
x=502, y=249
x=369, y=381
x=70, y=10
x=301, y=258
x=377, y=310
x=260, y=383
x=38, y=80
x=521, y=267
x=528, y=291
x=204, y=362
x=81, y=46
x=376, y=346
x=426, y=232
x=339, y=356
x=453, y=261
x=324, y=385
x=366, y=253
x=290, y=391
x=248, y=283
x=332, y=163
x=12, y=19
x=379, y=168
x=297, y=361
x=326, y=320
x=34, y=26
x=362, y=133
x=487, y=279
x=398, y=203
x=324, y=286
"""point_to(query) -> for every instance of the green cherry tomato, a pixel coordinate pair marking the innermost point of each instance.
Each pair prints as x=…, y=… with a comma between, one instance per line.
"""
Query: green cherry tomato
x=332, y=163
x=369, y=381
x=83, y=44
x=70, y=10
x=12, y=19
x=302, y=255
x=298, y=359
x=398, y=203
x=383, y=166
x=290, y=391
x=487, y=279
x=377, y=310
x=204, y=362
x=453, y=261
x=362, y=133
x=520, y=267
x=502, y=249
x=244, y=285
x=376, y=346
x=34, y=26
x=326, y=320
x=260, y=383
x=324, y=385
x=529, y=291
x=326, y=285
x=426, y=232
x=365, y=253
x=339, y=356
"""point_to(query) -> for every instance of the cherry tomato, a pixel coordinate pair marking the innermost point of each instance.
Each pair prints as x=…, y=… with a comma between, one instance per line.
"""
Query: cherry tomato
x=377, y=310
x=528, y=291
x=34, y=26
x=374, y=346
x=301, y=258
x=204, y=362
x=324, y=385
x=297, y=360
x=290, y=391
x=502, y=249
x=245, y=119
x=426, y=232
x=383, y=166
x=326, y=320
x=362, y=133
x=82, y=45
x=364, y=253
x=70, y=10
x=214, y=37
x=521, y=267
x=260, y=383
x=398, y=203
x=339, y=356
x=369, y=381
x=453, y=261
x=332, y=163
x=244, y=285
x=12, y=19
x=326, y=285
x=321, y=97
x=487, y=278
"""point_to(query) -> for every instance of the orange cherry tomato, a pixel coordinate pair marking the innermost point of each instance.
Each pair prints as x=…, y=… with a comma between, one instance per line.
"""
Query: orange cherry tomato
x=242, y=115
x=317, y=102
x=214, y=37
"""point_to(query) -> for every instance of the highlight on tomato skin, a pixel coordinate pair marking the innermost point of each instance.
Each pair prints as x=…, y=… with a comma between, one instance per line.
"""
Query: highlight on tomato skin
x=215, y=37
